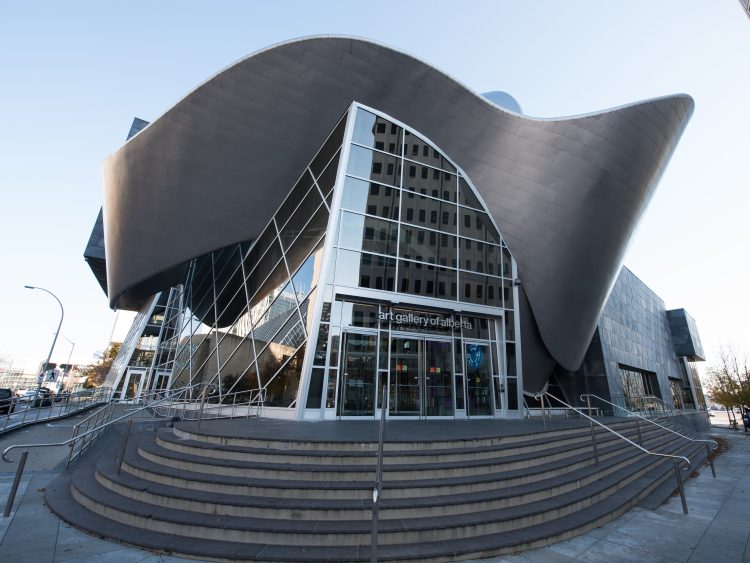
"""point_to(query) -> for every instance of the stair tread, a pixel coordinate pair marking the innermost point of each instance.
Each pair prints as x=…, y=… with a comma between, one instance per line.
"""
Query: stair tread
x=90, y=487
x=107, y=467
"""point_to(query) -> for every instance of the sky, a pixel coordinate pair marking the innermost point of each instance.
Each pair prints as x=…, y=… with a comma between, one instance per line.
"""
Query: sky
x=74, y=74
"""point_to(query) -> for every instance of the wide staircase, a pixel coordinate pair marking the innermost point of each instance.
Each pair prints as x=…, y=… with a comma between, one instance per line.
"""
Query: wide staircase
x=211, y=494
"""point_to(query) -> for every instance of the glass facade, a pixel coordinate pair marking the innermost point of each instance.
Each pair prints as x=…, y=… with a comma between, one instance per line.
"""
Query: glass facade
x=408, y=228
x=380, y=276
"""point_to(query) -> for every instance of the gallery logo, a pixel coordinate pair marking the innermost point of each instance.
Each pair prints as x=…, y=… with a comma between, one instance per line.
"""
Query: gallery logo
x=474, y=356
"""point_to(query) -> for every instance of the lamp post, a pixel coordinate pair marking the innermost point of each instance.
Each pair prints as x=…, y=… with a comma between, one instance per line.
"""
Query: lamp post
x=49, y=356
x=70, y=368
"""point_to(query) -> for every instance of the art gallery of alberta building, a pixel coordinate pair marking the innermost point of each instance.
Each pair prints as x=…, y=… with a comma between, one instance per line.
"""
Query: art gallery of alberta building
x=338, y=223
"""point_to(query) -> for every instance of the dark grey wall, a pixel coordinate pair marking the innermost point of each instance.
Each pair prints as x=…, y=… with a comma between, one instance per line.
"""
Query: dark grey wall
x=634, y=331
x=687, y=341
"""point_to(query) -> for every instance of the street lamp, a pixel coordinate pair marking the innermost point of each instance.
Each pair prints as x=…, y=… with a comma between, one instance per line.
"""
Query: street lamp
x=62, y=314
x=70, y=368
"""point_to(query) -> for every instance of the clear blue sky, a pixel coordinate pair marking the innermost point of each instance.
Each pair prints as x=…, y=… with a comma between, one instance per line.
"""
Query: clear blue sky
x=74, y=74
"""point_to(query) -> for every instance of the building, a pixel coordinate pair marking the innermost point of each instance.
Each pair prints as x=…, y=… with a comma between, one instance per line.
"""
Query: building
x=337, y=222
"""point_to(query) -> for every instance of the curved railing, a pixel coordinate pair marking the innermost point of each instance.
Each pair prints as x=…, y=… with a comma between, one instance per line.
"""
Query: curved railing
x=676, y=459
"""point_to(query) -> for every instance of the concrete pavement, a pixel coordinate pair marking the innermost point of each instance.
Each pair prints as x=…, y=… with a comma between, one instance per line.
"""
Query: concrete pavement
x=716, y=529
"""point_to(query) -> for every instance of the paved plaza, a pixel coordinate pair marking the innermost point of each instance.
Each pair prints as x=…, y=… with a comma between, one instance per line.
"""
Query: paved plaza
x=716, y=529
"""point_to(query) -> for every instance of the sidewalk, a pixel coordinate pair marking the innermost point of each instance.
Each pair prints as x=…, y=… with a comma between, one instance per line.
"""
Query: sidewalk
x=715, y=530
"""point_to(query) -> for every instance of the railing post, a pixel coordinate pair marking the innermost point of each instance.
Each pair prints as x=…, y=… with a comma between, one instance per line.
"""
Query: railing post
x=378, y=482
x=124, y=445
x=544, y=418
x=203, y=402
x=638, y=429
x=593, y=433
x=16, y=482
x=680, y=486
x=710, y=460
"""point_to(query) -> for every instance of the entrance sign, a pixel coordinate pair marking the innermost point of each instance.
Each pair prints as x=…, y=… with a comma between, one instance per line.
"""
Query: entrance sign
x=422, y=321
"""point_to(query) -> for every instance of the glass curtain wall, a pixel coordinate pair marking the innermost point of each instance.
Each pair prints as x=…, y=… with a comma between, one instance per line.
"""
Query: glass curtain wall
x=408, y=222
x=243, y=312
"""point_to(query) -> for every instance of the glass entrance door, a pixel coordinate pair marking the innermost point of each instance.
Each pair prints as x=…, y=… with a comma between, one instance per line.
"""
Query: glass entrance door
x=131, y=389
x=406, y=373
x=357, y=390
x=478, y=379
x=421, y=377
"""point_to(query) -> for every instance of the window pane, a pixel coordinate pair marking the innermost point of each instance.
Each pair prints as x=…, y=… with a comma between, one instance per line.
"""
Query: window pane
x=358, y=232
x=300, y=218
x=315, y=391
x=357, y=393
x=370, y=198
x=376, y=132
x=425, y=212
x=427, y=246
x=415, y=150
x=298, y=193
x=281, y=391
x=328, y=150
x=328, y=178
x=480, y=257
x=473, y=288
x=466, y=195
x=477, y=225
x=307, y=239
x=429, y=181
x=427, y=280
x=373, y=165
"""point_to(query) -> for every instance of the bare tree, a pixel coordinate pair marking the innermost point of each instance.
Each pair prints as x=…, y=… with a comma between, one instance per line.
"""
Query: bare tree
x=729, y=383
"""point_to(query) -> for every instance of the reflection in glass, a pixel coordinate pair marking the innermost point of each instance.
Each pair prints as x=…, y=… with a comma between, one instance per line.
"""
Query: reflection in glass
x=466, y=195
x=438, y=378
x=477, y=225
x=357, y=392
x=419, y=150
x=478, y=379
x=359, y=232
x=427, y=246
x=282, y=389
x=373, y=165
x=315, y=392
x=370, y=198
x=298, y=193
x=427, y=212
x=375, y=132
x=426, y=280
x=406, y=367
x=327, y=179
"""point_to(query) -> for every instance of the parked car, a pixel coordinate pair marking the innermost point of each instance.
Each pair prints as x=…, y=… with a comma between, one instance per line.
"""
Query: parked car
x=7, y=401
x=44, y=399
x=26, y=396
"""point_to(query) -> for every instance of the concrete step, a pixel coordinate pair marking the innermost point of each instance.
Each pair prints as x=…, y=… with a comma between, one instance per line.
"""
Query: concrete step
x=435, y=499
x=98, y=499
x=204, y=513
x=331, y=454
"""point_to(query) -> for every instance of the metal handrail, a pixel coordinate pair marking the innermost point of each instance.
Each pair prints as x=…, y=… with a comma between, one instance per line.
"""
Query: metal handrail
x=74, y=439
x=707, y=442
x=675, y=458
x=70, y=404
x=649, y=420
